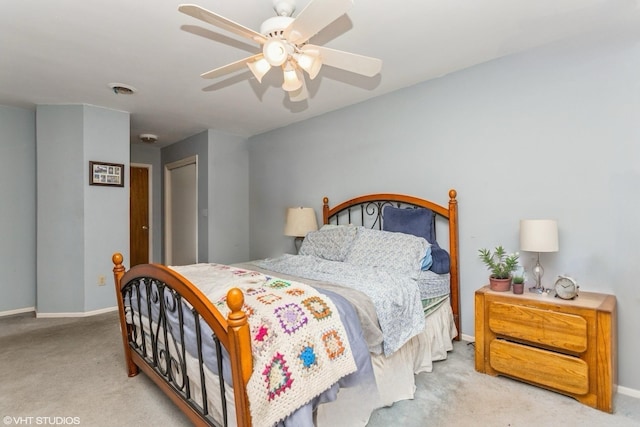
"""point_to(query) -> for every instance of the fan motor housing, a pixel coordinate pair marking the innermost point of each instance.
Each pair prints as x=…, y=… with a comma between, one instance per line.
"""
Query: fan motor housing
x=274, y=26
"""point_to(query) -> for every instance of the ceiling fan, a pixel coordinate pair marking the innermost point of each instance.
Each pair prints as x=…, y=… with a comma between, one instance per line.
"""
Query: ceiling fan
x=284, y=40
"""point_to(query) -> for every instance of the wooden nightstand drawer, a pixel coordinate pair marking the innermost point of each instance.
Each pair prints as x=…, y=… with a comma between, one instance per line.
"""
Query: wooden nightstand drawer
x=551, y=329
x=568, y=346
x=557, y=371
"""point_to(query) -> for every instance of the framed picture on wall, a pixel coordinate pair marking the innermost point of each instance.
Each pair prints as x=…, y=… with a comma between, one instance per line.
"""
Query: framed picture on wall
x=110, y=174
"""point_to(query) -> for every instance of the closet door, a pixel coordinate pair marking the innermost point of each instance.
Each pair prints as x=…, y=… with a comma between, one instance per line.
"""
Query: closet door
x=181, y=212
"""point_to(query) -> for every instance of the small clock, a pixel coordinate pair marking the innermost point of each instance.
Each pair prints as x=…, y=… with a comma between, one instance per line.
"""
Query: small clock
x=566, y=287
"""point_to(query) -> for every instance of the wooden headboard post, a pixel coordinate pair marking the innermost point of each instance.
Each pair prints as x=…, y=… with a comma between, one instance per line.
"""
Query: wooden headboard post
x=375, y=202
x=453, y=253
x=118, y=273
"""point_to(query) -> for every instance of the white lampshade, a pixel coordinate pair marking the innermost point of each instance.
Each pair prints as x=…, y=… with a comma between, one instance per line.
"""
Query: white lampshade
x=538, y=235
x=259, y=68
x=309, y=61
x=300, y=221
x=292, y=79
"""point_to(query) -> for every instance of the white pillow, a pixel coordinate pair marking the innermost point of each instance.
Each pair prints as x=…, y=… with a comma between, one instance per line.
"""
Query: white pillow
x=331, y=243
x=384, y=249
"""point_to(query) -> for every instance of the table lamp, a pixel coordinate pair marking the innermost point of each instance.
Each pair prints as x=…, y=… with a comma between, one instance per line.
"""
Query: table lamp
x=538, y=235
x=299, y=222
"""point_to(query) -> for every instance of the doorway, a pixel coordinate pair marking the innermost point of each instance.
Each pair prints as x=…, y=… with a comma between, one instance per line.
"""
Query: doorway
x=181, y=212
x=139, y=214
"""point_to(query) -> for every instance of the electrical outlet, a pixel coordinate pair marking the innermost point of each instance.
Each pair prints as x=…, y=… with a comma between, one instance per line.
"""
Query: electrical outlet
x=102, y=280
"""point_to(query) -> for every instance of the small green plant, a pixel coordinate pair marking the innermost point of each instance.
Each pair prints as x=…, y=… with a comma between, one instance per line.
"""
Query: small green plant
x=499, y=263
x=518, y=278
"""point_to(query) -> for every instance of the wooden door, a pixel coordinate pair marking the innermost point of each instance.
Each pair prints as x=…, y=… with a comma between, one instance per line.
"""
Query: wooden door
x=139, y=215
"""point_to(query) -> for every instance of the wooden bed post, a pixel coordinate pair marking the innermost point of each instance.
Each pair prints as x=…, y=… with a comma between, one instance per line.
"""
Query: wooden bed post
x=453, y=253
x=325, y=210
x=118, y=272
x=240, y=344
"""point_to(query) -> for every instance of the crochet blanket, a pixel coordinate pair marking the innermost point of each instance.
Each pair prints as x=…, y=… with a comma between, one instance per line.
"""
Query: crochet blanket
x=299, y=345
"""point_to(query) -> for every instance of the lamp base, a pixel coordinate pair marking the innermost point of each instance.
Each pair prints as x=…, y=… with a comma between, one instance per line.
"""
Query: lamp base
x=536, y=290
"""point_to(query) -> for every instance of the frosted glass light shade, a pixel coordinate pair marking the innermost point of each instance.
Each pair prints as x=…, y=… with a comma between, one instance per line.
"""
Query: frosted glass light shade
x=275, y=52
x=259, y=68
x=310, y=62
x=300, y=221
x=292, y=79
x=538, y=235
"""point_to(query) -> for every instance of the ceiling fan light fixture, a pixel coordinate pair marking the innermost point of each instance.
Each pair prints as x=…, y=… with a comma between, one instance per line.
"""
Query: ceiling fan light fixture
x=292, y=78
x=275, y=52
x=309, y=61
x=259, y=68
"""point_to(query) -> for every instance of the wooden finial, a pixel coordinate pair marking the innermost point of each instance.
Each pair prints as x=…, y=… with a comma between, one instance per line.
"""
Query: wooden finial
x=118, y=268
x=235, y=301
x=117, y=258
x=452, y=194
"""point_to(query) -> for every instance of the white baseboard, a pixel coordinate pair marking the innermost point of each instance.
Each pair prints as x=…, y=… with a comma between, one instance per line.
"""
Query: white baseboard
x=629, y=391
x=82, y=314
x=469, y=338
x=17, y=311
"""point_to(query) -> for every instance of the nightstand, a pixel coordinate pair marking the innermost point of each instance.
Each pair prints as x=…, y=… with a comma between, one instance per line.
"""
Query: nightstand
x=568, y=346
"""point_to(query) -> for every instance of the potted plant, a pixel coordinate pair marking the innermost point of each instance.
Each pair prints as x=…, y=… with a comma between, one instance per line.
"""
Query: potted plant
x=518, y=282
x=501, y=265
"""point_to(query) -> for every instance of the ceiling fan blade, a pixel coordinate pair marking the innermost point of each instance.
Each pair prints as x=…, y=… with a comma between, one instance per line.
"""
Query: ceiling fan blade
x=229, y=68
x=221, y=22
x=313, y=18
x=352, y=62
x=300, y=94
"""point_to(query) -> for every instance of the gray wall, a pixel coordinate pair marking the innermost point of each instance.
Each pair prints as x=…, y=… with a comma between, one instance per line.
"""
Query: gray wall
x=60, y=223
x=228, y=198
x=79, y=226
x=106, y=209
x=552, y=133
x=223, y=200
x=17, y=209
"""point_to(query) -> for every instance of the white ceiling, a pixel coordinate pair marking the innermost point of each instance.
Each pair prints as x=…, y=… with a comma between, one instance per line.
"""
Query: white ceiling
x=69, y=51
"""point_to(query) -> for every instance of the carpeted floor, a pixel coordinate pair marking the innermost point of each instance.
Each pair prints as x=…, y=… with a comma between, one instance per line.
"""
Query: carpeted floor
x=74, y=368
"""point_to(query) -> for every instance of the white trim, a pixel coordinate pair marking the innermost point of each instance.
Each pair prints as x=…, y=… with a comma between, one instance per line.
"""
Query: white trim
x=17, y=311
x=81, y=314
x=150, y=189
x=469, y=338
x=629, y=391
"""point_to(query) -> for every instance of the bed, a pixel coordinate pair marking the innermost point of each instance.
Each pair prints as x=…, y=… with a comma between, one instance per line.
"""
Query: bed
x=202, y=333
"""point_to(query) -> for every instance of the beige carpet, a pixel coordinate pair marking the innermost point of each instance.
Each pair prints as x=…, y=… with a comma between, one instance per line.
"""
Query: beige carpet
x=74, y=368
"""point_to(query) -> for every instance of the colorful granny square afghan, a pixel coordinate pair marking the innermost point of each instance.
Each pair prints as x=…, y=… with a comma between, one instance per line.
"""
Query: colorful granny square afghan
x=300, y=347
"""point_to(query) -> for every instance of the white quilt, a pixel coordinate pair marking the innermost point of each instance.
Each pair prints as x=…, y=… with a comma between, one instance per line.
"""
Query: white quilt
x=396, y=296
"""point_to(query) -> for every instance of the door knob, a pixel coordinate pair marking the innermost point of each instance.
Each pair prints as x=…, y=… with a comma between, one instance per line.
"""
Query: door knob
x=144, y=227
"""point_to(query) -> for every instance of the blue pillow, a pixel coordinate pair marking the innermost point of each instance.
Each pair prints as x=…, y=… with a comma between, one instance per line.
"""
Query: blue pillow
x=441, y=260
x=427, y=261
x=419, y=222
